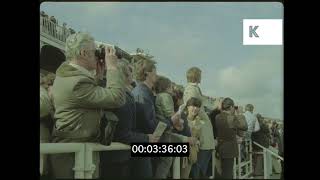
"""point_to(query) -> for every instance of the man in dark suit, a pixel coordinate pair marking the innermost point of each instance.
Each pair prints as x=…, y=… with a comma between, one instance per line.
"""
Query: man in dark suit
x=227, y=125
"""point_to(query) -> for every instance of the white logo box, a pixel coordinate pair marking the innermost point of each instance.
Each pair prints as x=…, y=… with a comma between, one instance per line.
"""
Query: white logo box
x=269, y=31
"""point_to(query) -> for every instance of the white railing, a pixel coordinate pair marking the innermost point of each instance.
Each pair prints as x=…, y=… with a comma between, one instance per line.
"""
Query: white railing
x=213, y=163
x=54, y=30
x=59, y=148
x=266, y=173
x=247, y=163
x=238, y=165
x=176, y=168
x=84, y=166
x=84, y=153
x=92, y=148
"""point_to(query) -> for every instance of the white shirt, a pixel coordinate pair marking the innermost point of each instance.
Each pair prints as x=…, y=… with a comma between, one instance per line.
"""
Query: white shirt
x=253, y=123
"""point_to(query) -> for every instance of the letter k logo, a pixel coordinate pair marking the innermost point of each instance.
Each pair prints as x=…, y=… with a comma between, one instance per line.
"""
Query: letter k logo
x=253, y=31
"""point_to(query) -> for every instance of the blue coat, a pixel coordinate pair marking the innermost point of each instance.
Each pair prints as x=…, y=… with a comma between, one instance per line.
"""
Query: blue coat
x=146, y=114
x=125, y=131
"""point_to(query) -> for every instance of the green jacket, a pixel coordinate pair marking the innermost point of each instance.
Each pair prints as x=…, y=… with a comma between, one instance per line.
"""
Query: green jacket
x=79, y=102
x=206, y=137
x=164, y=106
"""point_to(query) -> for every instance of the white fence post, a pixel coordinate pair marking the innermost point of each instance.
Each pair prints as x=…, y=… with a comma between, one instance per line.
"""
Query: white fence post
x=176, y=168
x=213, y=162
x=239, y=161
x=89, y=166
x=250, y=157
x=234, y=168
x=265, y=166
x=79, y=163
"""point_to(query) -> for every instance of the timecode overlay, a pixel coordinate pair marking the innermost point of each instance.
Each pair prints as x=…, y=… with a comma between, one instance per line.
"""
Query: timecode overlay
x=159, y=149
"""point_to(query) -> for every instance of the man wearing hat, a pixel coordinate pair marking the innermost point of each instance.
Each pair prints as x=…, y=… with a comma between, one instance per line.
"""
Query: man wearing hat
x=227, y=125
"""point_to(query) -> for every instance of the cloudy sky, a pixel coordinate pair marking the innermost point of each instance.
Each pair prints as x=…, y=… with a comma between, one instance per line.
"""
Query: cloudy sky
x=181, y=35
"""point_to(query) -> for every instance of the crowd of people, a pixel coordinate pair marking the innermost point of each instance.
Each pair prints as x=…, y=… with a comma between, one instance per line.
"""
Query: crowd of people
x=51, y=26
x=75, y=106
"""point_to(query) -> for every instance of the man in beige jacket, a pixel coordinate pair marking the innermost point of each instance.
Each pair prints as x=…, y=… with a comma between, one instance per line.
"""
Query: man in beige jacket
x=79, y=101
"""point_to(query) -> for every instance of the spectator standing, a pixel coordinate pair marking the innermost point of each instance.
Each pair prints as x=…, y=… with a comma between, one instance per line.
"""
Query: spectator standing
x=79, y=101
x=146, y=114
x=261, y=137
x=227, y=125
x=164, y=110
x=116, y=164
x=207, y=143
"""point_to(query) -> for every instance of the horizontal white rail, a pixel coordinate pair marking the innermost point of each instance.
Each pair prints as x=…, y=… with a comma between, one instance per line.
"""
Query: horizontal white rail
x=77, y=148
x=113, y=146
x=56, y=148
x=269, y=151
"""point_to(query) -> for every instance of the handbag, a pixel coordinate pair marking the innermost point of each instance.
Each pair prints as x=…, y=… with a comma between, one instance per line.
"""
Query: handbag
x=193, y=156
x=108, y=126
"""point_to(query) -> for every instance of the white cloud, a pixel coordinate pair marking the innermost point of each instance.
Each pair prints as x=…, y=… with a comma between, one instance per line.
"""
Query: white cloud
x=253, y=79
x=258, y=82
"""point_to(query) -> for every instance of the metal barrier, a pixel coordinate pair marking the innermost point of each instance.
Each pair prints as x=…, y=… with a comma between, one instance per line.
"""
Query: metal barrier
x=247, y=163
x=238, y=164
x=84, y=153
x=85, y=168
x=176, y=168
x=213, y=163
x=77, y=148
x=92, y=148
x=266, y=173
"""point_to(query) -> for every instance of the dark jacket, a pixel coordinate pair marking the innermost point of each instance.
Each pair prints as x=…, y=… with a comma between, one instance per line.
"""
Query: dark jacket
x=278, y=139
x=125, y=131
x=146, y=114
x=262, y=137
x=212, y=117
x=186, y=129
x=227, y=126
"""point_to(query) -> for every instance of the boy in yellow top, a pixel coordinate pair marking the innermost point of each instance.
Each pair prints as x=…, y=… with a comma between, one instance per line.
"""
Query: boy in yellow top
x=207, y=143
